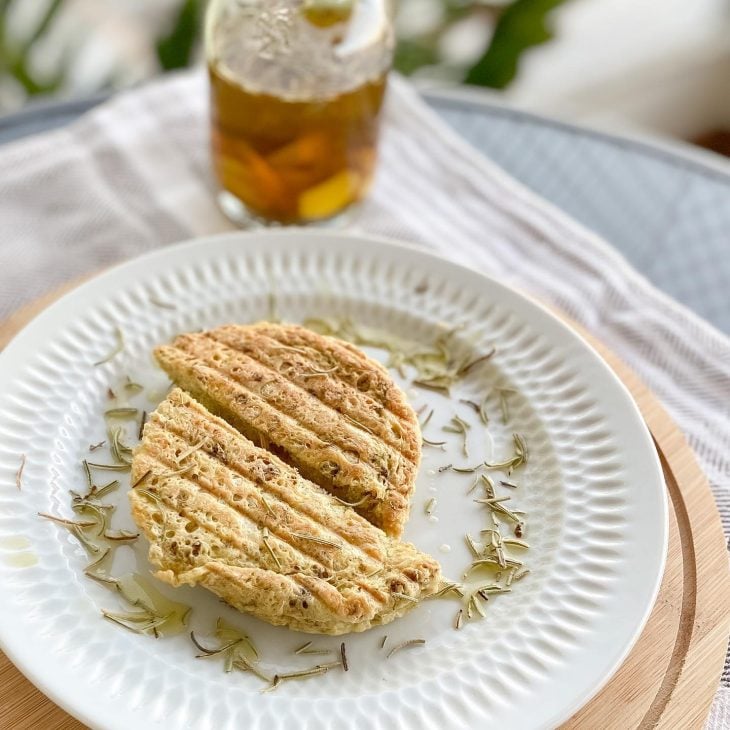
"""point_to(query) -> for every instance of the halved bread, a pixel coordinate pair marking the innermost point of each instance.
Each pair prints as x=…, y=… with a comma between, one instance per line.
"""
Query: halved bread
x=223, y=513
x=317, y=402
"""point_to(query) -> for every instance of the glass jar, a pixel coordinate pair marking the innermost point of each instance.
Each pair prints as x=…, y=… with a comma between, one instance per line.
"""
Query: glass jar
x=296, y=92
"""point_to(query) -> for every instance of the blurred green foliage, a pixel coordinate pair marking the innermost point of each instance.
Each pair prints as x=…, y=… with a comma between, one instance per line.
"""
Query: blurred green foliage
x=517, y=26
x=15, y=56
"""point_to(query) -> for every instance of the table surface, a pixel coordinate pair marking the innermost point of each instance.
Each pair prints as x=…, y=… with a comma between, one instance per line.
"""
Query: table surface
x=665, y=208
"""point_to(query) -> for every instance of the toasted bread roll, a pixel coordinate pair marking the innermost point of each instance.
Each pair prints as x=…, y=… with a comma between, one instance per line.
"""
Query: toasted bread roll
x=319, y=403
x=223, y=513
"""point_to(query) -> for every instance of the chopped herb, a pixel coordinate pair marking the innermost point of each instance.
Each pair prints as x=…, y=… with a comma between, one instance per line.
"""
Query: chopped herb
x=302, y=674
x=142, y=422
x=184, y=455
x=483, y=410
x=519, y=458
x=470, y=403
x=382, y=643
x=121, y=413
x=98, y=561
x=520, y=529
x=467, y=469
x=314, y=538
x=121, y=536
x=131, y=387
x=447, y=588
x=473, y=486
x=472, y=546
x=405, y=597
x=488, y=484
x=65, y=522
x=438, y=383
x=267, y=505
x=505, y=483
x=404, y=645
x=343, y=656
x=426, y=442
x=517, y=543
x=108, y=467
x=521, y=575
x=444, y=468
x=119, y=347
x=459, y=619
x=467, y=367
x=265, y=539
x=474, y=598
x=87, y=474
x=430, y=506
x=19, y=473
x=94, y=447
x=461, y=427
x=139, y=481
x=427, y=419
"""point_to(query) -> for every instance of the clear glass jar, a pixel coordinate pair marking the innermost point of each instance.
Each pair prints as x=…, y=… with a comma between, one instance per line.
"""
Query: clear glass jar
x=296, y=92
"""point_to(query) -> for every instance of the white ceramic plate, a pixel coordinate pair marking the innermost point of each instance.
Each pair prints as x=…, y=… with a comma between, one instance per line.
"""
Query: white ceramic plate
x=592, y=490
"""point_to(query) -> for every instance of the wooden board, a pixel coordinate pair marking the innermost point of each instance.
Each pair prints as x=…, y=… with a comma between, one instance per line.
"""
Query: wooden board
x=669, y=679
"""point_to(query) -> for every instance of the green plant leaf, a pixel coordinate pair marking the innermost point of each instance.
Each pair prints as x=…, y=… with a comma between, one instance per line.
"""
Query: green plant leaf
x=522, y=25
x=175, y=50
x=410, y=55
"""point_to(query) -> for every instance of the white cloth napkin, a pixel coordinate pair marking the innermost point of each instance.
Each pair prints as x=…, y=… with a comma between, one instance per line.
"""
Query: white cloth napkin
x=134, y=174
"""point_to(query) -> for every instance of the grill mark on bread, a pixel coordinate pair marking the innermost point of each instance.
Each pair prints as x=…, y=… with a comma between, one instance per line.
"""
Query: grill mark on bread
x=375, y=426
x=218, y=499
x=347, y=354
x=319, y=432
x=246, y=471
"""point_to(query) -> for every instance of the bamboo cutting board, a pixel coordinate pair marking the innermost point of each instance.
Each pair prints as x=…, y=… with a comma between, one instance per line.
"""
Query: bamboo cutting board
x=670, y=677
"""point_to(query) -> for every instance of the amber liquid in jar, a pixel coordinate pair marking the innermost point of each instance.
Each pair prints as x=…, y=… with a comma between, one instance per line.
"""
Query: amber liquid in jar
x=294, y=161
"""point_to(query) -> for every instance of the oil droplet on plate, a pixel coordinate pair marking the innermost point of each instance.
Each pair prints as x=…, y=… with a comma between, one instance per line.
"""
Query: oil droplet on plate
x=21, y=560
x=433, y=519
x=15, y=542
x=445, y=548
x=432, y=489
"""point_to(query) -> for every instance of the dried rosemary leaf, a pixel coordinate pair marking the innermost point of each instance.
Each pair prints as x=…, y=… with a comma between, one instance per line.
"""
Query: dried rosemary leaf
x=65, y=522
x=265, y=540
x=469, y=366
x=121, y=413
x=405, y=645
x=119, y=347
x=430, y=506
x=314, y=538
x=459, y=622
x=438, y=444
x=472, y=546
x=343, y=657
x=382, y=643
x=427, y=419
x=109, y=467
